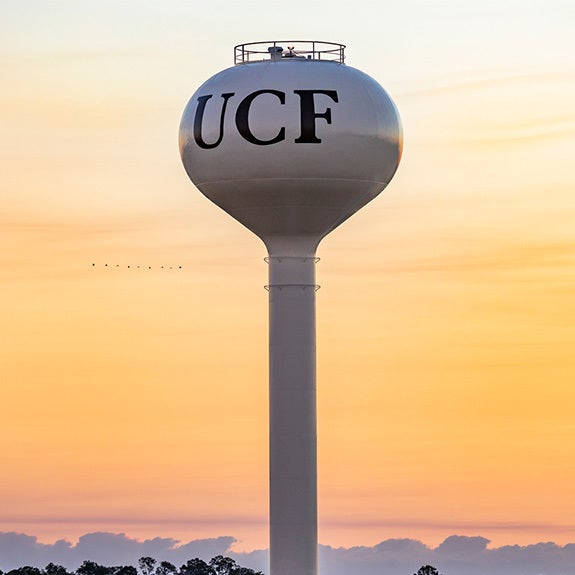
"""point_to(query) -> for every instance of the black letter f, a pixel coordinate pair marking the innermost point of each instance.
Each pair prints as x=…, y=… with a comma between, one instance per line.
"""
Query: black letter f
x=308, y=114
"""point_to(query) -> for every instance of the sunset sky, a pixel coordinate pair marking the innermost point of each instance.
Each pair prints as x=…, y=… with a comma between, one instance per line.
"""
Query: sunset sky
x=134, y=400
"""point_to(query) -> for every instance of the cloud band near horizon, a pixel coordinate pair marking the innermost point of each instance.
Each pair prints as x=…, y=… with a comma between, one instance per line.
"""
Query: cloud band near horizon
x=456, y=555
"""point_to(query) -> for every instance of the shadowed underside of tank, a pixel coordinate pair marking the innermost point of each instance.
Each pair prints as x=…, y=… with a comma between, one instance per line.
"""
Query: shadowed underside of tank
x=311, y=208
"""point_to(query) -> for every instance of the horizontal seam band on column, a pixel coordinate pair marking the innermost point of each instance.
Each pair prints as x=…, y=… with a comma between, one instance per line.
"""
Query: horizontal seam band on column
x=300, y=258
x=302, y=286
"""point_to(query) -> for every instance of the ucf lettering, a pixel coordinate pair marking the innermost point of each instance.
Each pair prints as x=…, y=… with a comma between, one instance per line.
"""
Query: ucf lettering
x=308, y=117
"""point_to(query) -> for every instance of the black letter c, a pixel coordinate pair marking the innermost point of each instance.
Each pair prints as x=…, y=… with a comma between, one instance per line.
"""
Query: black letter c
x=242, y=120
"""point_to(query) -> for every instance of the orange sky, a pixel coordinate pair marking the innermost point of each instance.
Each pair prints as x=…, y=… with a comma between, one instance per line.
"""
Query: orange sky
x=135, y=400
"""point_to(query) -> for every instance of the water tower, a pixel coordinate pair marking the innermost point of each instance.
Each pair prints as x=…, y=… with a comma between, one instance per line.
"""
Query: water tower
x=291, y=142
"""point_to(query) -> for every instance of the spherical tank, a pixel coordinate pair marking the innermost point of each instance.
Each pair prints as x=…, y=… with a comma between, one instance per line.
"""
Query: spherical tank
x=290, y=146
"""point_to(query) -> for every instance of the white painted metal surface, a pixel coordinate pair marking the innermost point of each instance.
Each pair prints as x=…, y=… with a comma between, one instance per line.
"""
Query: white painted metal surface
x=292, y=396
x=291, y=146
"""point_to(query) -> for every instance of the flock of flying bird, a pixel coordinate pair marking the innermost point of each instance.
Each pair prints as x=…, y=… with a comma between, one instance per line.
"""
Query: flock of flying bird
x=141, y=267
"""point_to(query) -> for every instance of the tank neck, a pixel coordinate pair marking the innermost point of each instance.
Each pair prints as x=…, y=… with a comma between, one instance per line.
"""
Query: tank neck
x=292, y=246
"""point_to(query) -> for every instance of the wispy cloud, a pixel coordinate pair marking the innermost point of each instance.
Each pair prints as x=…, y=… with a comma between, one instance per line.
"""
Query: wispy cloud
x=496, y=258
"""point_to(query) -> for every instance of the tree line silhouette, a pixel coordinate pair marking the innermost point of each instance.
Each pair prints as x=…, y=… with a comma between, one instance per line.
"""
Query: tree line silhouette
x=218, y=565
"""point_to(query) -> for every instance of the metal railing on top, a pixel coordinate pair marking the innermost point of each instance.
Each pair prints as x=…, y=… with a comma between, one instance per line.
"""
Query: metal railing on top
x=282, y=49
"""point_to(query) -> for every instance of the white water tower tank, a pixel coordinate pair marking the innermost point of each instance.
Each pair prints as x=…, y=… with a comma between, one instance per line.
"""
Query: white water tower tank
x=290, y=145
x=291, y=142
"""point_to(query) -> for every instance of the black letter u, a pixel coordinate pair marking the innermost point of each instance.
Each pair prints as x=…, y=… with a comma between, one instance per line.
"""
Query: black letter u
x=199, y=117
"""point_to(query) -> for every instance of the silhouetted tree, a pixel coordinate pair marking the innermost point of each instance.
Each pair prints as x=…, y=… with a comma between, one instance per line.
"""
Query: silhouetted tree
x=52, y=569
x=427, y=570
x=166, y=568
x=26, y=570
x=226, y=566
x=92, y=568
x=196, y=567
x=223, y=565
x=147, y=565
x=246, y=571
x=125, y=570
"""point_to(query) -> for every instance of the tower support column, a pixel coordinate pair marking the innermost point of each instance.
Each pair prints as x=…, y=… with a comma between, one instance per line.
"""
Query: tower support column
x=292, y=394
